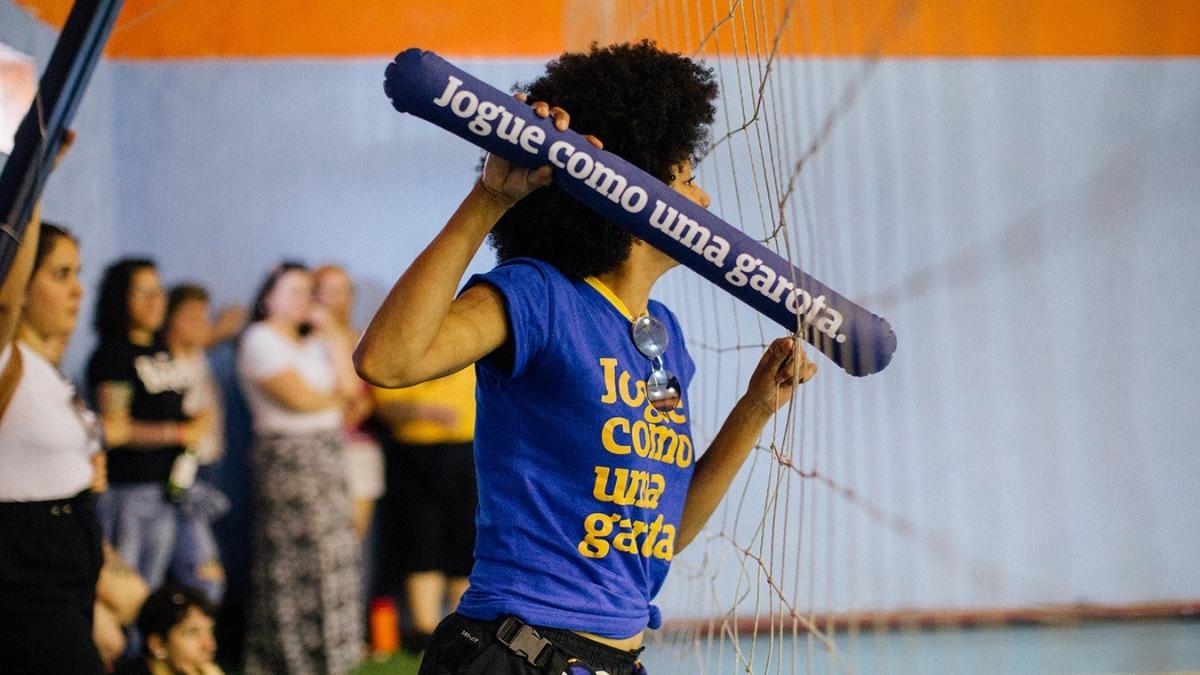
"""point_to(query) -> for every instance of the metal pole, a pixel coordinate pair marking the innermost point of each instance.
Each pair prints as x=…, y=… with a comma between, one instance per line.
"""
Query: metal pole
x=40, y=135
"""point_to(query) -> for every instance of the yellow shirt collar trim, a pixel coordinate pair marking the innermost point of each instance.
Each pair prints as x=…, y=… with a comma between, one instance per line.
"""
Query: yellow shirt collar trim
x=610, y=296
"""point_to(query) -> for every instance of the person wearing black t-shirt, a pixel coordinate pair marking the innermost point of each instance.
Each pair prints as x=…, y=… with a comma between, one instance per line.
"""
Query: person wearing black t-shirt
x=133, y=378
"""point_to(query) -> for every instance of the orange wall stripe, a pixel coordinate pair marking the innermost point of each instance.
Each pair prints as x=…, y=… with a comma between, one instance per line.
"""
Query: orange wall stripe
x=152, y=29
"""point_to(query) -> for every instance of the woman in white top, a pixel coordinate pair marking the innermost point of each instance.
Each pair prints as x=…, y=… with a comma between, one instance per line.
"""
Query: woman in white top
x=50, y=554
x=305, y=614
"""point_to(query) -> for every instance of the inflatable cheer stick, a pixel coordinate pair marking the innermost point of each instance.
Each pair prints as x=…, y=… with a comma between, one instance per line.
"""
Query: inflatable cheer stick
x=425, y=85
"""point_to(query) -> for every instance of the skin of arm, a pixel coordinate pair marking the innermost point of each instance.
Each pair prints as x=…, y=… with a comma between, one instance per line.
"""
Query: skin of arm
x=398, y=412
x=338, y=345
x=12, y=287
x=289, y=390
x=229, y=323
x=358, y=408
x=421, y=331
x=12, y=291
x=120, y=429
x=780, y=370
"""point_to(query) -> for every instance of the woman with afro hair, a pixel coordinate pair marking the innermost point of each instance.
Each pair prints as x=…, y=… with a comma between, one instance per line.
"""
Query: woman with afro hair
x=588, y=480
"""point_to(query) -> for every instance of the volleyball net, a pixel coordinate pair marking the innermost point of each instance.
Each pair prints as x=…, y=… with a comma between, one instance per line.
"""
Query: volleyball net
x=924, y=159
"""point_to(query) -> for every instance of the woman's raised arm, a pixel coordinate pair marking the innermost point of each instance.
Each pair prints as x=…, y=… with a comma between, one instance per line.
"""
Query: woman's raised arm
x=422, y=331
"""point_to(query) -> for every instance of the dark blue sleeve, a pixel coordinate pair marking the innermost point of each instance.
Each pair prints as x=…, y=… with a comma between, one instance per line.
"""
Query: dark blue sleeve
x=529, y=304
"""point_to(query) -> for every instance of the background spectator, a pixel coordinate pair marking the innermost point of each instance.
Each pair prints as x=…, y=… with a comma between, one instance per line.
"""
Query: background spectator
x=50, y=553
x=177, y=623
x=135, y=381
x=364, y=459
x=120, y=593
x=305, y=614
x=187, y=334
x=428, y=513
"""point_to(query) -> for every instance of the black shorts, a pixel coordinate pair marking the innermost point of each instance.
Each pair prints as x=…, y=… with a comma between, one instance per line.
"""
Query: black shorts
x=466, y=646
x=50, y=560
x=428, y=513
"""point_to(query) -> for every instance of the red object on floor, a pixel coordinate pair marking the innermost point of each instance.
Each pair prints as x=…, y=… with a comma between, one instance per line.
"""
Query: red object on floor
x=385, y=628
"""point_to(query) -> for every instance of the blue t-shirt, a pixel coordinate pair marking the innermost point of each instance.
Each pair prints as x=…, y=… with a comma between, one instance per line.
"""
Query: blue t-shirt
x=581, y=482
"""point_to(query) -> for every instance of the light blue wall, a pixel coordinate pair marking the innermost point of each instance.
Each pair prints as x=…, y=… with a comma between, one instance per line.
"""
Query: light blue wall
x=1030, y=228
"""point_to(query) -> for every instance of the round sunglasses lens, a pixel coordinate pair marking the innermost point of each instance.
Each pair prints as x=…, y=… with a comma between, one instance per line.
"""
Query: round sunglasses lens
x=662, y=389
x=650, y=336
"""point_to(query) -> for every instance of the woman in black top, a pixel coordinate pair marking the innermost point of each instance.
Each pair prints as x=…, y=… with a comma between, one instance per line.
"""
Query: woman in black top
x=134, y=380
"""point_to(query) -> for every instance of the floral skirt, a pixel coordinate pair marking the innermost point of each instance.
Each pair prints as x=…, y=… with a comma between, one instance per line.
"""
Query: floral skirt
x=305, y=612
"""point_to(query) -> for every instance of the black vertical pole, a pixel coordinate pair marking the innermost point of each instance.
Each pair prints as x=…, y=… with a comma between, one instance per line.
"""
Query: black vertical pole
x=40, y=135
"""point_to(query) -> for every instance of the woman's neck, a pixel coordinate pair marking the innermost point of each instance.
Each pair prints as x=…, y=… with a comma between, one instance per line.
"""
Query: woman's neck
x=45, y=345
x=633, y=292
x=181, y=350
x=633, y=279
x=285, y=328
x=141, y=337
x=179, y=347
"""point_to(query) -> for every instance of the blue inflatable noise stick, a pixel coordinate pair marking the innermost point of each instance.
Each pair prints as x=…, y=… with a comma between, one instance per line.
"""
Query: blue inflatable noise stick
x=424, y=84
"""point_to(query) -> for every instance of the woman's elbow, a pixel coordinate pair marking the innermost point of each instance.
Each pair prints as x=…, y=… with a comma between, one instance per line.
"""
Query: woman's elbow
x=374, y=369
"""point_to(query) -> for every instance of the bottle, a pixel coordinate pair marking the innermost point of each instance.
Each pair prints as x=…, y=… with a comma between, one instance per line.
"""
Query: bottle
x=385, y=632
x=183, y=475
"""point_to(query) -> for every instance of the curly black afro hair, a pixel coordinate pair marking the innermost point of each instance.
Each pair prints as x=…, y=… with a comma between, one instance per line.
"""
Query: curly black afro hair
x=650, y=107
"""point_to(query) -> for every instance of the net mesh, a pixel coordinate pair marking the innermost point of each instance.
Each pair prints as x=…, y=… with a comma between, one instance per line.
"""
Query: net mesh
x=848, y=517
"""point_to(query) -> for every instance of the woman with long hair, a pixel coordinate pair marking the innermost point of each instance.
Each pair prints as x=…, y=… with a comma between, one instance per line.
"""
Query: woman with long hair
x=50, y=550
x=135, y=382
x=305, y=612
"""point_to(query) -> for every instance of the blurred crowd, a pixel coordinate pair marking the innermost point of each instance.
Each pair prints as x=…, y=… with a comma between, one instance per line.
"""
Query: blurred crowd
x=363, y=500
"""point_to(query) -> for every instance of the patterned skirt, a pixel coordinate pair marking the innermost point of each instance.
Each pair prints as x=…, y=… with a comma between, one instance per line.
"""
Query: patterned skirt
x=305, y=610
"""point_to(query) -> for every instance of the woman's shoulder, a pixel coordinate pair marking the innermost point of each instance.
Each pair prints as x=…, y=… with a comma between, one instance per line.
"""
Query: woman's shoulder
x=259, y=341
x=108, y=346
x=525, y=281
x=32, y=363
x=112, y=359
x=526, y=268
x=29, y=355
x=259, y=334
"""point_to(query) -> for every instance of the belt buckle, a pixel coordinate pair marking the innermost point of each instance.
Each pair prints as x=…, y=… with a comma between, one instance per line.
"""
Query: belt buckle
x=522, y=639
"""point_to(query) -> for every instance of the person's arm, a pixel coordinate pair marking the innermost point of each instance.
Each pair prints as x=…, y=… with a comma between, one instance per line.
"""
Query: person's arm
x=267, y=363
x=14, y=283
x=771, y=386
x=421, y=331
x=289, y=390
x=120, y=587
x=338, y=344
x=122, y=430
x=12, y=290
x=230, y=321
x=396, y=413
x=359, y=407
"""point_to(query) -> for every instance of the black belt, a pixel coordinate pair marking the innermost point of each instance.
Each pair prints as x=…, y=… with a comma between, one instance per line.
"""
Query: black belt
x=55, y=507
x=524, y=641
x=544, y=654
